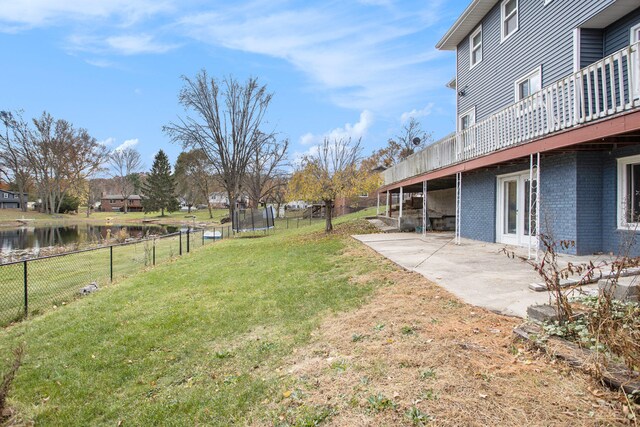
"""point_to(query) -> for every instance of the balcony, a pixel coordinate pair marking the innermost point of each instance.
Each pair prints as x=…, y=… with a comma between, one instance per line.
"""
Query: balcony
x=603, y=89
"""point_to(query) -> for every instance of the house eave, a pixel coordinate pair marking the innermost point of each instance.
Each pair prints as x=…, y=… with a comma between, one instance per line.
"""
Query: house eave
x=467, y=22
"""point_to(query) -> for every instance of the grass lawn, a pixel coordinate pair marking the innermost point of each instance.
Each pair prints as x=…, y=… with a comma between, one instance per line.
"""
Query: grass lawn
x=192, y=341
x=294, y=329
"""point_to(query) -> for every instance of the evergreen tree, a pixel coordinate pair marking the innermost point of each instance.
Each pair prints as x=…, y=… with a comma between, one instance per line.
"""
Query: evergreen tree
x=159, y=189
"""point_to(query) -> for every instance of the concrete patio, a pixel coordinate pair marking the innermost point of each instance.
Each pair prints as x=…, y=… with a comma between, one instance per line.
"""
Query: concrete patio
x=477, y=272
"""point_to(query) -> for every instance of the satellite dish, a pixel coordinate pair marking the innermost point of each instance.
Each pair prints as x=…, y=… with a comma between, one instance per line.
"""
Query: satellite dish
x=416, y=141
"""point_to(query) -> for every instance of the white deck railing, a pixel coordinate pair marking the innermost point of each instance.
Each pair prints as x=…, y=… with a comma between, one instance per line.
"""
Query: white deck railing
x=604, y=88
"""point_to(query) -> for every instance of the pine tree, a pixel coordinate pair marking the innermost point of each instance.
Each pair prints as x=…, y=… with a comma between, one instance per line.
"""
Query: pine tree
x=159, y=189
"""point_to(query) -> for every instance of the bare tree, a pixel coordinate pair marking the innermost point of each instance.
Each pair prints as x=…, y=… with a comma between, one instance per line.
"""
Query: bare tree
x=61, y=158
x=264, y=169
x=124, y=164
x=224, y=123
x=13, y=141
x=410, y=140
x=194, y=177
x=332, y=172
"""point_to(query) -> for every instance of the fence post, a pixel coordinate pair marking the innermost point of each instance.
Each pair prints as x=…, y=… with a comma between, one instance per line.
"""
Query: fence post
x=111, y=262
x=221, y=233
x=26, y=293
x=180, y=236
x=154, y=252
x=203, y=237
x=188, y=240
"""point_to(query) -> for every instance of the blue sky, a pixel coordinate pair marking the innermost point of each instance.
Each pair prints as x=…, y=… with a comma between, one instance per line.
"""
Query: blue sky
x=337, y=68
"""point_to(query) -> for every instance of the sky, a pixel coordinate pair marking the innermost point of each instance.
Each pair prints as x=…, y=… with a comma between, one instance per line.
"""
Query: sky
x=344, y=68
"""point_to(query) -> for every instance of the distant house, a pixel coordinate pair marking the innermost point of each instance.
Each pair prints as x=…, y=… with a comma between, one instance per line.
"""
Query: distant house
x=10, y=199
x=220, y=200
x=115, y=203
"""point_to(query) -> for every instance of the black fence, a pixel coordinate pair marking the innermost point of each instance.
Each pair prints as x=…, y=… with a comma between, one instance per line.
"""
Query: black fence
x=32, y=286
x=35, y=285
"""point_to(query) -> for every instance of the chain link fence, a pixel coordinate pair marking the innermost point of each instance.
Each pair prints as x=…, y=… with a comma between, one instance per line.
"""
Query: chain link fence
x=35, y=285
x=32, y=286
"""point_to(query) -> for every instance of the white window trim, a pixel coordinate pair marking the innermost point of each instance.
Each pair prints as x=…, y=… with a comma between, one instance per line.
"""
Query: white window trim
x=623, y=162
x=538, y=71
x=504, y=37
x=634, y=37
x=576, y=49
x=632, y=32
x=471, y=37
x=470, y=112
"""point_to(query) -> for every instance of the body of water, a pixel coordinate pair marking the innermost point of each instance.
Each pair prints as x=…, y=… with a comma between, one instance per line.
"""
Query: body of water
x=28, y=237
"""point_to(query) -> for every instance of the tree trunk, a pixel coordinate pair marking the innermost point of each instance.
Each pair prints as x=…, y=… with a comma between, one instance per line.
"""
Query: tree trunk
x=161, y=211
x=210, y=210
x=21, y=197
x=328, y=207
x=126, y=205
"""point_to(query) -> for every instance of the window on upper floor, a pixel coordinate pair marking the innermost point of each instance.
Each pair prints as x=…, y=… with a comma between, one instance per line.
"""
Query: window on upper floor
x=467, y=119
x=628, y=191
x=509, y=15
x=529, y=84
x=475, y=47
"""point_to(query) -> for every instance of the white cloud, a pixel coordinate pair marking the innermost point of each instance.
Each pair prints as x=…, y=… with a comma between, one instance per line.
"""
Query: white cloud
x=307, y=139
x=354, y=131
x=416, y=114
x=107, y=142
x=38, y=13
x=137, y=44
x=374, y=62
x=129, y=143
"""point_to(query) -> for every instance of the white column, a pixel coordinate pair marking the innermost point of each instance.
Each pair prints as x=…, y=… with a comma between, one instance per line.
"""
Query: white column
x=378, y=204
x=425, y=212
x=388, y=201
x=400, y=209
x=458, y=205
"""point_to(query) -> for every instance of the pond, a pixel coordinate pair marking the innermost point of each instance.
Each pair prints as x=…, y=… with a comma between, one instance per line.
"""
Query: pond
x=25, y=238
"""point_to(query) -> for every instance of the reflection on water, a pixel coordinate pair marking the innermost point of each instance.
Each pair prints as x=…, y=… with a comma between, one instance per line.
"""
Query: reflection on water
x=38, y=237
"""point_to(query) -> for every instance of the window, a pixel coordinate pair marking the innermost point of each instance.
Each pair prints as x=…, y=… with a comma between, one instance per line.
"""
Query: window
x=509, y=14
x=6, y=195
x=112, y=201
x=475, y=47
x=629, y=191
x=529, y=84
x=467, y=119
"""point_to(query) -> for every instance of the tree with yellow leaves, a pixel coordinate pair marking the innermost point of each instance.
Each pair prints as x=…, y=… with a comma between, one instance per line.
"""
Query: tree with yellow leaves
x=333, y=171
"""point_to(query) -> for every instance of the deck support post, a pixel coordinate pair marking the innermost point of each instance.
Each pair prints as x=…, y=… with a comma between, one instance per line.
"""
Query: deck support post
x=534, y=205
x=400, y=209
x=425, y=212
x=458, y=205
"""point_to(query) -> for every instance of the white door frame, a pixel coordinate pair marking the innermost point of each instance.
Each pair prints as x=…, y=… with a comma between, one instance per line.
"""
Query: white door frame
x=519, y=238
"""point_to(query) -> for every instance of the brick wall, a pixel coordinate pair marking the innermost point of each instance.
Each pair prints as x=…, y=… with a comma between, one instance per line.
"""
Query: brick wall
x=558, y=197
x=614, y=240
x=589, y=202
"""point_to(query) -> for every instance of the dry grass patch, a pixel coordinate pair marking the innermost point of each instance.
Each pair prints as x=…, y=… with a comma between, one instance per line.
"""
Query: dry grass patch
x=416, y=355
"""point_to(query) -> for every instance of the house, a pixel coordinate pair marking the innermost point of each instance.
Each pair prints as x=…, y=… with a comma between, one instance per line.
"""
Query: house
x=11, y=199
x=115, y=203
x=220, y=200
x=548, y=127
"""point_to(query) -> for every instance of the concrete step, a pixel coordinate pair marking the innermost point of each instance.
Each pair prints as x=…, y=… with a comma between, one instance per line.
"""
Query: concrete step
x=565, y=283
x=383, y=227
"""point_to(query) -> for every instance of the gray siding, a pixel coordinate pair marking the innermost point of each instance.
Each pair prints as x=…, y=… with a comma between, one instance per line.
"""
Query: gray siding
x=544, y=38
x=591, y=46
x=617, y=35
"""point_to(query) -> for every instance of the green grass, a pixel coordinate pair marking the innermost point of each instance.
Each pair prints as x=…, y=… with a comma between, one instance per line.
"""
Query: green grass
x=193, y=341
